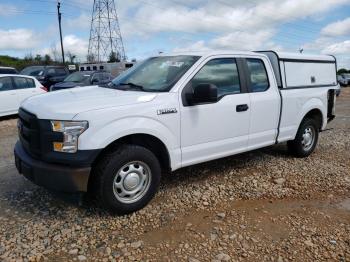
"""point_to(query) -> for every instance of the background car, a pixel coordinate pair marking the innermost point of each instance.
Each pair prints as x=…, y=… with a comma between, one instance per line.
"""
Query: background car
x=14, y=89
x=84, y=78
x=346, y=77
x=342, y=80
x=8, y=70
x=47, y=75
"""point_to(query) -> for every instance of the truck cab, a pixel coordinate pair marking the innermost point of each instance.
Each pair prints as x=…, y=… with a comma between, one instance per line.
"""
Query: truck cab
x=172, y=111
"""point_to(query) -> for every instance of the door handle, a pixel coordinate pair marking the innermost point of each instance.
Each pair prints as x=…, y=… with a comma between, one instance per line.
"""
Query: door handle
x=242, y=108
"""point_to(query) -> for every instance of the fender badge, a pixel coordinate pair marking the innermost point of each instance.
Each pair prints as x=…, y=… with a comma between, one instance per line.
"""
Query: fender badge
x=166, y=111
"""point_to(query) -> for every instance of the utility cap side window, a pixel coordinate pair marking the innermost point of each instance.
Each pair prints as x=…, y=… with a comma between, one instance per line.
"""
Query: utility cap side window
x=221, y=72
x=258, y=78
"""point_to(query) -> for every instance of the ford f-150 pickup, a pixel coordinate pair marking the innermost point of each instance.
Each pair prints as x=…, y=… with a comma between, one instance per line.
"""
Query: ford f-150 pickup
x=172, y=111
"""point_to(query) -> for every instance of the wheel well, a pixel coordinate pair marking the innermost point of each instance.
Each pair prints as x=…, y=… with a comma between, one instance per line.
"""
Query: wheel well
x=315, y=114
x=152, y=143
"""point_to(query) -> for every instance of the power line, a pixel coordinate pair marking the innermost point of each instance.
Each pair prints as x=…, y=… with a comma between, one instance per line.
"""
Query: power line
x=308, y=29
x=281, y=35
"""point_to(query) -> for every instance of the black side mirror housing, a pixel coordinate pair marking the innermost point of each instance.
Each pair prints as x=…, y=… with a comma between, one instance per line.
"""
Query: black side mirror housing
x=204, y=93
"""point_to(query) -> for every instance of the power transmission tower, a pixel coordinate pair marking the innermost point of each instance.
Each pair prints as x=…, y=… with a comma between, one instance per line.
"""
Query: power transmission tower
x=105, y=37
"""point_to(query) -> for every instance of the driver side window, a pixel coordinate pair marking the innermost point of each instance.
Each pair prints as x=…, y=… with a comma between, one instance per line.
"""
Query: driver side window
x=221, y=72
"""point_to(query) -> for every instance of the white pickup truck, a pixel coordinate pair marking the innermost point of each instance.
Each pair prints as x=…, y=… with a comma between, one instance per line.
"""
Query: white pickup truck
x=172, y=111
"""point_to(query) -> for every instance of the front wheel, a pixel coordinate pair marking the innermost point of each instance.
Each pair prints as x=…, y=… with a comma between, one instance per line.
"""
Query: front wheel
x=127, y=179
x=305, y=140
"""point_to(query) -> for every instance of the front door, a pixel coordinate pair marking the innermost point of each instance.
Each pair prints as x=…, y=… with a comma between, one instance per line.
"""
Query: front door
x=213, y=130
x=8, y=96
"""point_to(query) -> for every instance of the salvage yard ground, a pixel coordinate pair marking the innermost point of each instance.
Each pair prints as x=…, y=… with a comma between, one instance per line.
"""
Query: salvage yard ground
x=259, y=206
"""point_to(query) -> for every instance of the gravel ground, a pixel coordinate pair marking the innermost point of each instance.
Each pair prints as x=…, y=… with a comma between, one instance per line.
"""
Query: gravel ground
x=259, y=206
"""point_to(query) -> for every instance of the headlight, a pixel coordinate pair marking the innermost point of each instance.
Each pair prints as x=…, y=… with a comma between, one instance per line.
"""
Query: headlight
x=71, y=131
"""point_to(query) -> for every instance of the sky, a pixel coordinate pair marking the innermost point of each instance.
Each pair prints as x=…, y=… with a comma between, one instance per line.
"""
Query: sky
x=152, y=26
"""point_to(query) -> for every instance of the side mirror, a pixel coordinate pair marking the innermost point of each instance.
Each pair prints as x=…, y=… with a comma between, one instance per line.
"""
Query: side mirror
x=204, y=93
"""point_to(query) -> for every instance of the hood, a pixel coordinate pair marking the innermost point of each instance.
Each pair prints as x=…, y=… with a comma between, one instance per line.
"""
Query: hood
x=65, y=104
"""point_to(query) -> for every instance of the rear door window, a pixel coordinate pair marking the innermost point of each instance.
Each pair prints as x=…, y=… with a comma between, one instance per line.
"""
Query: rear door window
x=21, y=82
x=30, y=82
x=6, y=84
x=259, y=81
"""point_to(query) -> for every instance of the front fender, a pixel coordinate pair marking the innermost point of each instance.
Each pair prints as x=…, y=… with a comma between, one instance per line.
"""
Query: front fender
x=124, y=127
x=99, y=138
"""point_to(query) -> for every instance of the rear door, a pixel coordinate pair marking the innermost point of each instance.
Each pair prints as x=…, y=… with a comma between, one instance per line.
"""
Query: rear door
x=213, y=130
x=25, y=88
x=8, y=96
x=265, y=102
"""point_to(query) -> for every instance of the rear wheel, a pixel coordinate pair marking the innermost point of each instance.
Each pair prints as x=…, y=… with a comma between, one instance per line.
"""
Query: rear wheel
x=306, y=138
x=127, y=179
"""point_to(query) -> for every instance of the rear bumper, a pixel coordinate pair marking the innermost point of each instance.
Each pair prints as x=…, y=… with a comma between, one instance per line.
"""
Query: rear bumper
x=51, y=176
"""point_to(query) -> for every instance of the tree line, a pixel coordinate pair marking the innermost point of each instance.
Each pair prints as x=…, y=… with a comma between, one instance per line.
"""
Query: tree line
x=30, y=60
x=47, y=59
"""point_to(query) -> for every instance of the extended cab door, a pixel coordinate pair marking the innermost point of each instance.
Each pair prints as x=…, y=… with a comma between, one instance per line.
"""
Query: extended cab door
x=265, y=102
x=218, y=129
x=8, y=96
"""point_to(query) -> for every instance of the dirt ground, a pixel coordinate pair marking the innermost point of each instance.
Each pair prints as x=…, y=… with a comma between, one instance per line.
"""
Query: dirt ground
x=259, y=206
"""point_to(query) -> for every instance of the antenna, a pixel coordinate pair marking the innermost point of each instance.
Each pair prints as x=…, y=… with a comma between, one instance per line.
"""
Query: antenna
x=105, y=38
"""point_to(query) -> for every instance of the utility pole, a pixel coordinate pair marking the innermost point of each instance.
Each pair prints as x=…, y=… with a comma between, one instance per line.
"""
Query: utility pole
x=59, y=25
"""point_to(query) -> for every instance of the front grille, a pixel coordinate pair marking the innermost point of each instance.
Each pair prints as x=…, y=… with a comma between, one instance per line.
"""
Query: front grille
x=29, y=132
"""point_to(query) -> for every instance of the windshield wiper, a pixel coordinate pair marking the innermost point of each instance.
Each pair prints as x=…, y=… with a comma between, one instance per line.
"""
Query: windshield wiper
x=139, y=87
x=131, y=86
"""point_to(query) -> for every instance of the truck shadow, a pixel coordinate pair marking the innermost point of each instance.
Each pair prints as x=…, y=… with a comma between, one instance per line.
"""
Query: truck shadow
x=241, y=161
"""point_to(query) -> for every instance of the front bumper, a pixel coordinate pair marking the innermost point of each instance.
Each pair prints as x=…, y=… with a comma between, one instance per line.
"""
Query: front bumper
x=56, y=177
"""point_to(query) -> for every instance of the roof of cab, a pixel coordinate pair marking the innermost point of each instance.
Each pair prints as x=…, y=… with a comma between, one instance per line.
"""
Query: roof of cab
x=281, y=55
x=210, y=53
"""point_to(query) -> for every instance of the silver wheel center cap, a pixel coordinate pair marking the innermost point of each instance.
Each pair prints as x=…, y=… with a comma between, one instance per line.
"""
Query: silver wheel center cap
x=307, y=139
x=131, y=181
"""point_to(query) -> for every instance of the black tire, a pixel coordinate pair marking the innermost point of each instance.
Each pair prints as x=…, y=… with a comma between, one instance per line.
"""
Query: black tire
x=297, y=147
x=108, y=169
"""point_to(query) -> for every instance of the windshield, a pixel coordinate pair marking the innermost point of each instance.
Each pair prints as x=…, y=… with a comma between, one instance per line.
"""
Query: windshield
x=156, y=74
x=77, y=77
x=346, y=75
x=33, y=71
